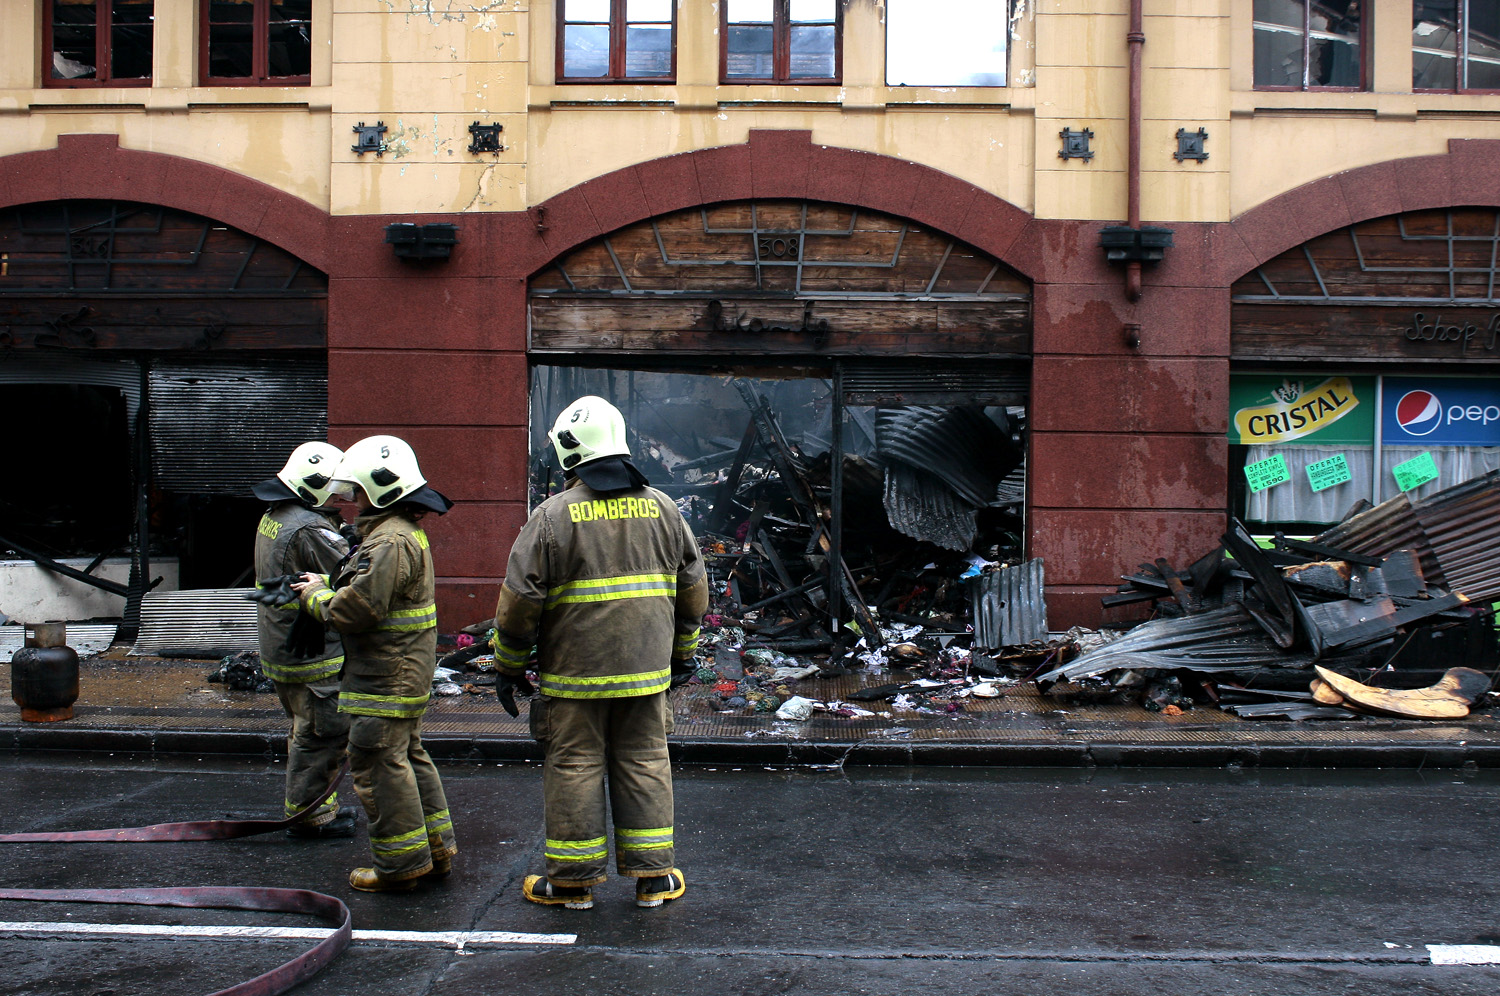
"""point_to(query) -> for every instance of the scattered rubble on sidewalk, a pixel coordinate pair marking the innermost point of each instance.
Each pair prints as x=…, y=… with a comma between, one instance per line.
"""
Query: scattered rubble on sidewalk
x=1243, y=627
x=241, y=673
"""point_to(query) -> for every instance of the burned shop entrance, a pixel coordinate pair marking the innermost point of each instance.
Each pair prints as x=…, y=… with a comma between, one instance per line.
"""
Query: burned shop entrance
x=835, y=398
x=158, y=364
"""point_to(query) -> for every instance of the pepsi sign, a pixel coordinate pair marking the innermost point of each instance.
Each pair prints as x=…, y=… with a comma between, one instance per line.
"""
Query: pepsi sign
x=1441, y=411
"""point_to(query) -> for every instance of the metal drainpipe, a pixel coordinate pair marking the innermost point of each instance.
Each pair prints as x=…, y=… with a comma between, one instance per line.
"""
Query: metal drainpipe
x=1135, y=39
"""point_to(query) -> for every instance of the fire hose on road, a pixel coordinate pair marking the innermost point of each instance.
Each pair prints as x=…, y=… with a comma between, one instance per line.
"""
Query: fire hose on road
x=271, y=983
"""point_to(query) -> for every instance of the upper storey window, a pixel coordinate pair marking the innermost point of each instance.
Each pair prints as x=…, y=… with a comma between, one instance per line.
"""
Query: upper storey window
x=603, y=40
x=1309, y=45
x=256, y=42
x=1455, y=45
x=780, y=41
x=945, y=42
x=98, y=42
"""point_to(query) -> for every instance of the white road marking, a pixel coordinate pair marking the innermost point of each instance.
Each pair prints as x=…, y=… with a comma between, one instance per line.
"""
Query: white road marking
x=1464, y=954
x=440, y=938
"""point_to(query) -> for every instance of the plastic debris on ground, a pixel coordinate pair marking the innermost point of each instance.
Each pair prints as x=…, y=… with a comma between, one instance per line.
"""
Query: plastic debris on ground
x=241, y=672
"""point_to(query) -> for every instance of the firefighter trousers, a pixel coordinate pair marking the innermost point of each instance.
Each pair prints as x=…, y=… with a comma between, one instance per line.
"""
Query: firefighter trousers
x=399, y=787
x=314, y=747
x=594, y=746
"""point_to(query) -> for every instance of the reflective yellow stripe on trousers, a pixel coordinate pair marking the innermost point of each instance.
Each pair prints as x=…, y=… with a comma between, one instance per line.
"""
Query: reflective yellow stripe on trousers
x=642, y=840
x=388, y=706
x=576, y=850
x=401, y=843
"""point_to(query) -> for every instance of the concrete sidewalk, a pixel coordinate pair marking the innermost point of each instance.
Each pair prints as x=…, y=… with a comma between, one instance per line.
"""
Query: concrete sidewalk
x=152, y=706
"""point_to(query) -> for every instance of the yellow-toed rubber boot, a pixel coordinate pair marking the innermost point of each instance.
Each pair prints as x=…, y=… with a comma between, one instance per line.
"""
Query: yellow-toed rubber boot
x=540, y=890
x=650, y=892
x=369, y=880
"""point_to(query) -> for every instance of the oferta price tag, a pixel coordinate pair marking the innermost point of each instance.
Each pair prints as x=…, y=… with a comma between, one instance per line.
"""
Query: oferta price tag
x=1264, y=473
x=1415, y=472
x=1327, y=473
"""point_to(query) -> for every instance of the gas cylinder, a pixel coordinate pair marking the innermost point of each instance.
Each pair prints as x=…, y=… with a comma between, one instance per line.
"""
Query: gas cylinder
x=44, y=674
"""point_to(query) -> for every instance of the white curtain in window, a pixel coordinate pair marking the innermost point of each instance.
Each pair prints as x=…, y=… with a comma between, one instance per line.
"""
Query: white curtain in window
x=1295, y=500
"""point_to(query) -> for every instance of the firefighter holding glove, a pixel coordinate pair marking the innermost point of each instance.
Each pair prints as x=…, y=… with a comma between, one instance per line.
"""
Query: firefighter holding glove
x=297, y=534
x=606, y=582
x=382, y=600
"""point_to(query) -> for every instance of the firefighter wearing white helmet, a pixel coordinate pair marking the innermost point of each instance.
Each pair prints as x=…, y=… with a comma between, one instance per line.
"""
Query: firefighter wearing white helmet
x=302, y=659
x=605, y=582
x=382, y=600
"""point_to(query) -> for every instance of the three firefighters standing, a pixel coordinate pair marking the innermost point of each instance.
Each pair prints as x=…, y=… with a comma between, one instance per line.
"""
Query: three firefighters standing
x=605, y=583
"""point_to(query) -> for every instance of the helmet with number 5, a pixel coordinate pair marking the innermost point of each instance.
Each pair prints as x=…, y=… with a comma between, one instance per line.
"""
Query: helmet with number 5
x=385, y=469
x=307, y=476
x=587, y=430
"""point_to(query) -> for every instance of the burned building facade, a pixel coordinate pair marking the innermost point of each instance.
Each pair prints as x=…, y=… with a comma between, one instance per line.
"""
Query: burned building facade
x=1074, y=283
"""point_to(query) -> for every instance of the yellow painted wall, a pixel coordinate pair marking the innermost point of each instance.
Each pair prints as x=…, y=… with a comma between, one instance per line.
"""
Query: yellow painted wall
x=428, y=68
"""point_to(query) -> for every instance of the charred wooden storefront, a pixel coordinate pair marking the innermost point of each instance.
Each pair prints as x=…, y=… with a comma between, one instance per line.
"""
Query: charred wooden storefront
x=816, y=384
x=1364, y=366
x=153, y=365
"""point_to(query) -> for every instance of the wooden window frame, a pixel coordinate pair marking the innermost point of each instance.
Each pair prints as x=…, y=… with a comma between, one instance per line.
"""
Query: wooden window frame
x=103, y=33
x=617, y=52
x=1366, y=17
x=259, y=53
x=1461, y=57
x=781, y=49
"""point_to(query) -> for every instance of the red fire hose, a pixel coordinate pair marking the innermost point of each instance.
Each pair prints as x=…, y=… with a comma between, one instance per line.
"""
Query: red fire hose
x=272, y=983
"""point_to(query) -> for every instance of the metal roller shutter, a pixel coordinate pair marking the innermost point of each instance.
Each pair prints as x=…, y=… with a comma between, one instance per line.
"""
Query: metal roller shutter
x=219, y=426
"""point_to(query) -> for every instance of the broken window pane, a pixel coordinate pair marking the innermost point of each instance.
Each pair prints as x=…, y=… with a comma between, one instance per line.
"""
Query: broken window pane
x=114, y=34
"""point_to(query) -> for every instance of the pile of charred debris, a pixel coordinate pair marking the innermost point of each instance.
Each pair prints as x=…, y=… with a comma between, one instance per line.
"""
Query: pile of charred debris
x=915, y=543
x=1318, y=629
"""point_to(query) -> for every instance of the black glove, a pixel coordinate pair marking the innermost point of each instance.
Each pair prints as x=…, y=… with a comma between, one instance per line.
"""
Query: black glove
x=275, y=591
x=464, y=655
x=682, y=671
x=506, y=687
x=306, y=638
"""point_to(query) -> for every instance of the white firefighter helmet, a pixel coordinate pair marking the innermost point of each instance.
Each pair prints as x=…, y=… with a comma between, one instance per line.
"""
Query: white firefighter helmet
x=587, y=430
x=309, y=471
x=384, y=467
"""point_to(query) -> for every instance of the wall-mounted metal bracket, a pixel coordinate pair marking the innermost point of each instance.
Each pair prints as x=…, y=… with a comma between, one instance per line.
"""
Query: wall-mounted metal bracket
x=1123, y=244
x=418, y=243
x=371, y=138
x=1076, y=144
x=1190, y=145
x=485, y=137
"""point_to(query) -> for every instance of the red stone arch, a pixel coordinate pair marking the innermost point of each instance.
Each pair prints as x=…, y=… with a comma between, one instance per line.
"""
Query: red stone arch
x=1468, y=175
x=786, y=165
x=96, y=168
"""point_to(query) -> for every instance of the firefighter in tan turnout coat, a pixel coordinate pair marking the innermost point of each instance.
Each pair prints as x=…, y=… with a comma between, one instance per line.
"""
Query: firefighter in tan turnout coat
x=296, y=535
x=606, y=581
x=383, y=602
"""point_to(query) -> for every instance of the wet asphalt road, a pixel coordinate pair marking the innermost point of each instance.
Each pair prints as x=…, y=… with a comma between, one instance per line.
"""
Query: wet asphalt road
x=878, y=881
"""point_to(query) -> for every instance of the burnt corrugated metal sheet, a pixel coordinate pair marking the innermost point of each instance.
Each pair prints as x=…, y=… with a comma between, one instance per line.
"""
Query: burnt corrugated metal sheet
x=921, y=506
x=1226, y=639
x=1462, y=524
x=1384, y=529
x=221, y=425
x=962, y=445
x=202, y=623
x=1009, y=607
x=1455, y=532
x=936, y=384
x=44, y=368
x=85, y=638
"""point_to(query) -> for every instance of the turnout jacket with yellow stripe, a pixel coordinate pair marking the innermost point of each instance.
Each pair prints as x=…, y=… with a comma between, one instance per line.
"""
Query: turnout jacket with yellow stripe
x=383, y=601
x=292, y=539
x=610, y=590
